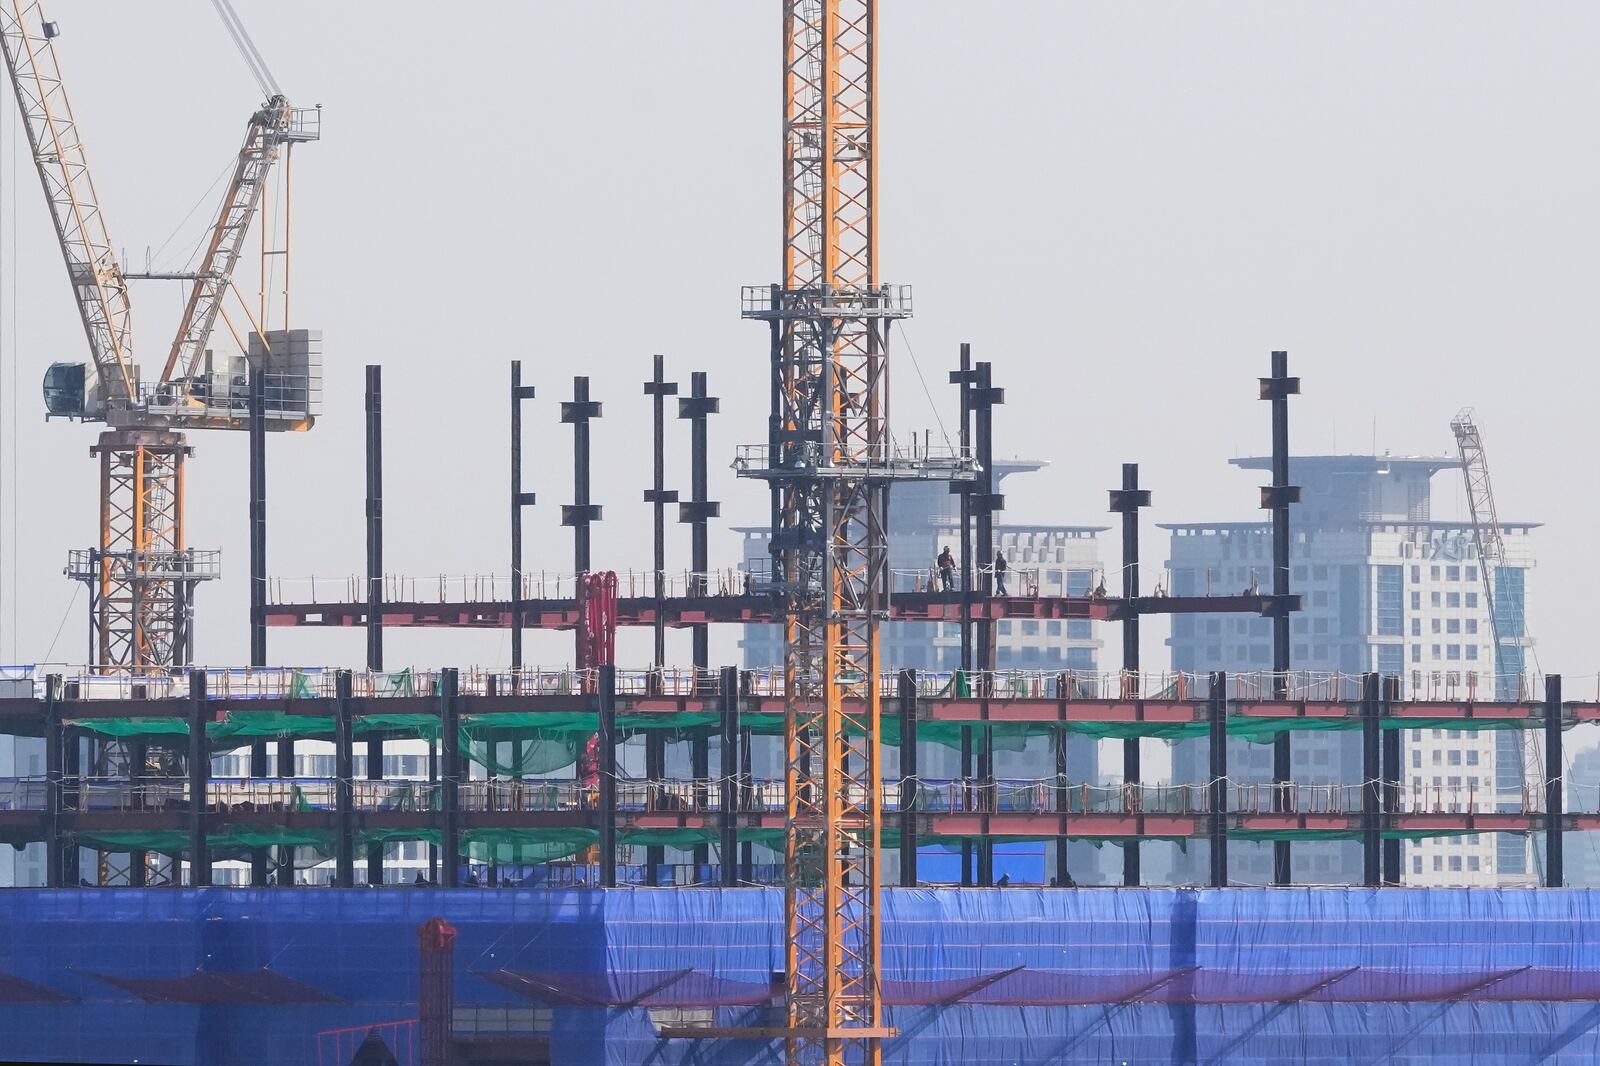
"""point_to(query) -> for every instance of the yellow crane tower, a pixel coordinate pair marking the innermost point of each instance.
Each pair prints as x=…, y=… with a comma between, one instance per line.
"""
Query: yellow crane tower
x=142, y=573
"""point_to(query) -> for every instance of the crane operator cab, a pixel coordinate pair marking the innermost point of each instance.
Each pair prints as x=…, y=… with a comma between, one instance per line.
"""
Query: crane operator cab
x=66, y=391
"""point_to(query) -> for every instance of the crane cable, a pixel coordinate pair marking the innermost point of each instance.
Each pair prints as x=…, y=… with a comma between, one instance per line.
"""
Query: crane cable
x=247, y=48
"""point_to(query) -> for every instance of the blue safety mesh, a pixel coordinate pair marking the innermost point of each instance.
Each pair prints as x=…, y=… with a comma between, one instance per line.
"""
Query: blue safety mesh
x=1342, y=953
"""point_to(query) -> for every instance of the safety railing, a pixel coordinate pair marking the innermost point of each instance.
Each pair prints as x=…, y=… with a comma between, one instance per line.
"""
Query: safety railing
x=491, y=588
x=237, y=794
x=23, y=793
x=395, y=795
x=120, y=794
x=504, y=794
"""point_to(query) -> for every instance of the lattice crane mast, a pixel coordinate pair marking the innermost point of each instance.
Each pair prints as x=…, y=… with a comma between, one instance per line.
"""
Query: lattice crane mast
x=142, y=574
x=830, y=460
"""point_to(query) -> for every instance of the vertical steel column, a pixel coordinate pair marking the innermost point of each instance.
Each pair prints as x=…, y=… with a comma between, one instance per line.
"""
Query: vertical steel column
x=1217, y=718
x=608, y=775
x=658, y=388
x=138, y=861
x=450, y=778
x=1126, y=501
x=374, y=409
x=374, y=517
x=344, y=787
x=258, y=518
x=1391, y=779
x=55, y=845
x=580, y=513
x=727, y=824
x=199, y=779
x=697, y=407
x=71, y=791
x=909, y=783
x=519, y=500
x=1277, y=497
x=965, y=379
x=1554, y=772
x=984, y=502
x=1063, y=802
x=284, y=864
x=1371, y=783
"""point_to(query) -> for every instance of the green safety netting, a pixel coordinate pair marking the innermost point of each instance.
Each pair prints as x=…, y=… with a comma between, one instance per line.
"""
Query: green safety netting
x=1462, y=723
x=166, y=841
x=130, y=727
x=422, y=726
x=241, y=727
x=366, y=838
x=527, y=845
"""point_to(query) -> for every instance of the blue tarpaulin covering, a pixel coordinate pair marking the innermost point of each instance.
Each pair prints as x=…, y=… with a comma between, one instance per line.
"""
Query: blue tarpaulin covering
x=970, y=975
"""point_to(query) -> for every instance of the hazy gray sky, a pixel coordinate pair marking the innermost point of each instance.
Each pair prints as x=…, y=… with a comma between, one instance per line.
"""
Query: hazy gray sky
x=1123, y=206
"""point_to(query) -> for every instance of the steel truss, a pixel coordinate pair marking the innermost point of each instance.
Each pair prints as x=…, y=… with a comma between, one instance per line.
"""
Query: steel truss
x=141, y=577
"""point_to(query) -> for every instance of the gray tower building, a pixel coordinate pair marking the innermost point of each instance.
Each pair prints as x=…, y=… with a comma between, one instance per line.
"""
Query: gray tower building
x=1385, y=587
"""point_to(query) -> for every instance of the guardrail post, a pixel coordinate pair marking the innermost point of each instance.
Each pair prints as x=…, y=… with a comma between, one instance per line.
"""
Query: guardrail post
x=1554, y=770
x=1391, y=779
x=344, y=786
x=199, y=780
x=450, y=778
x=55, y=846
x=1371, y=787
x=727, y=825
x=1217, y=708
x=908, y=778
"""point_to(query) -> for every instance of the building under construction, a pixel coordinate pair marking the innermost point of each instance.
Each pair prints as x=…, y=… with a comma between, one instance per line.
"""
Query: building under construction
x=713, y=863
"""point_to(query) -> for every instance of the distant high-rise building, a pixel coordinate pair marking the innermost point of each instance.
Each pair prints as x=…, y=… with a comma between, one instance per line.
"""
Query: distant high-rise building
x=1385, y=587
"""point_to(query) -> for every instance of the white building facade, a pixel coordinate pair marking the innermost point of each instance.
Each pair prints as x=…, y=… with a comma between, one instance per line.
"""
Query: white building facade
x=1387, y=588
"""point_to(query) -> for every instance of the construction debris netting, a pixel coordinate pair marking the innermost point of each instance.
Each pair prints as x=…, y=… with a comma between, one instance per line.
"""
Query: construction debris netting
x=971, y=975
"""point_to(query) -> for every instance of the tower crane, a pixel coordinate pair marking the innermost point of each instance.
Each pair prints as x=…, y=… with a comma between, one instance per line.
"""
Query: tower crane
x=142, y=574
x=829, y=462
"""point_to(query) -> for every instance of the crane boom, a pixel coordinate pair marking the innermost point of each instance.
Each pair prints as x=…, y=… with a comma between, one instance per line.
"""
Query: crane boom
x=272, y=126
x=1480, y=504
x=97, y=279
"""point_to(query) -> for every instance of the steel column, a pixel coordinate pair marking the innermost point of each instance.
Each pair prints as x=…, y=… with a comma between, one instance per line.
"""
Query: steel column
x=965, y=379
x=727, y=817
x=1391, y=780
x=1217, y=719
x=55, y=844
x=1277, y=497
x=1126, y=501
x=658, y=388
x=199, y=780
x=374, y=518
x=258, y=518
x=519, y=500
x=1371, y=783
x=1063, y=876
x=697, y=407
x=1554, y=774
x=909, y=783
x=450, y=777
x=344, y=786
x=579, y=411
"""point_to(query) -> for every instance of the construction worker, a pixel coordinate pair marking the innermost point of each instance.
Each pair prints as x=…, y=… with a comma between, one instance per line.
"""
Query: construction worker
x=947, y=569
x=1000, y=574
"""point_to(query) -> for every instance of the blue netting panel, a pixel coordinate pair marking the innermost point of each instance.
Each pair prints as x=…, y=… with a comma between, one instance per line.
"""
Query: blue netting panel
x=361, y=945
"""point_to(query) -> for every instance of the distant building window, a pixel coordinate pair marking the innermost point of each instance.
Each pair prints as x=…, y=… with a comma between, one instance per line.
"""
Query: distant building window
x=1052, y=629
x=1452, y=599
x=1455, y=862
x=1472, y=758
x=1472, y=623
x=1416, y=864
x=1452, y=573
x=1299, y=573
x=1434, y=627
x=1435, y=573
x=1030, y=629
x=1472, y=599
x=1452, y=625
x=1433, y=599
x=1473, y=863
x=1416, y=574
x=1416, y=653
x=1472, y=651
x=1416, y=601
x=1416, y=627
x=1435, y=651
x=1472, y=573
x=1416, y=758
x=1390, y=619
x=1320, y=573
x=1319, y=598
x=1004, y=628
x=1079, y=582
